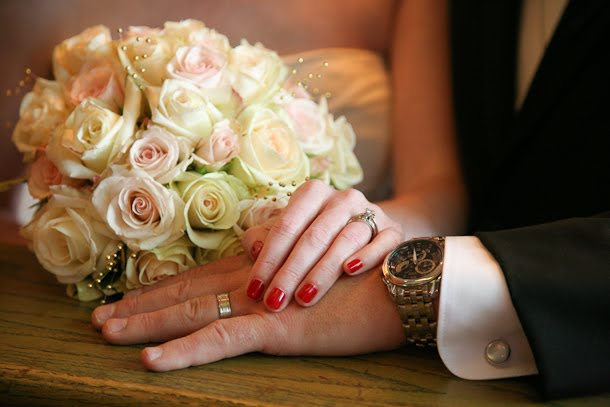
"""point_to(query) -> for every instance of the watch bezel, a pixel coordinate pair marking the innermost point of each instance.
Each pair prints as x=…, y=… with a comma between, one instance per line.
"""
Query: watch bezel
x=415, y=282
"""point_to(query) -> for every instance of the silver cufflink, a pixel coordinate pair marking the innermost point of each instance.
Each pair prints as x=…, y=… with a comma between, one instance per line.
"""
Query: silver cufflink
x=497, y=351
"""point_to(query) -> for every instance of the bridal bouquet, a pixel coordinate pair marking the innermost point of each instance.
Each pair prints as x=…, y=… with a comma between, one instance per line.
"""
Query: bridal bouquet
x=152, y=153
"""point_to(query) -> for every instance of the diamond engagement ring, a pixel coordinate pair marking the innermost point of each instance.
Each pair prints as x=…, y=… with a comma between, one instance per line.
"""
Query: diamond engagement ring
x=368, y=217
x=224, y=305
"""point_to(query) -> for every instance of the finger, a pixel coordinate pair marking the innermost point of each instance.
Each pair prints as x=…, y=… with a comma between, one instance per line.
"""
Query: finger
x=167, y=296
x=374, y=253
x=172, y=322
x=222, y=339
x=254, y=237
x=325, y=273
x=314, y=244
x=224, y=265
x=302, y=209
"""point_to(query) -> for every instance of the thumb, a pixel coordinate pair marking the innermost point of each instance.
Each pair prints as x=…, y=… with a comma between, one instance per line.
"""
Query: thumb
x=254, y=238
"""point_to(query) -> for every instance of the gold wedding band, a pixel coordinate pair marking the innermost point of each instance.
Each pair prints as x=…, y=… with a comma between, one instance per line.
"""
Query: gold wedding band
x=224, y=305
x=368, y=217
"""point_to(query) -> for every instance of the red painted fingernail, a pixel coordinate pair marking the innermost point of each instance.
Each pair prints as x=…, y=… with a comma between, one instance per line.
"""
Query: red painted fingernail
x=276, y=298
x=256, y=249
x=255, y=289
x=354, y=266
x=307, y=292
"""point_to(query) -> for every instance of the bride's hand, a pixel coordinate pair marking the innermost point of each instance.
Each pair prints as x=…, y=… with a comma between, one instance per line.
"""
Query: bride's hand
x=309, y=246
x=358, y=316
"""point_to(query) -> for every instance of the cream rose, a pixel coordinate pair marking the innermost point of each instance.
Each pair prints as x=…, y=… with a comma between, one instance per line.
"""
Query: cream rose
x=184, y=109
x=308, y=119
x=204, y=66
x=160, y=154
x=145, y=53
x=94, y=43
x=142, y=212
x=345, y=170
x=230, y=245
x=89, y=142
x=220, y=148
x=270, y=152
x=258, y=211
x=259, y=72
x=152, y=266
x=42, y=110
x=43, y=174
x=99, y=82
x=211, y=203
x=67, y=236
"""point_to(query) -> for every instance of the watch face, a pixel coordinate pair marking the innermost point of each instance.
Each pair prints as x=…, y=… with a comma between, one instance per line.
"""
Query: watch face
x=415, y=260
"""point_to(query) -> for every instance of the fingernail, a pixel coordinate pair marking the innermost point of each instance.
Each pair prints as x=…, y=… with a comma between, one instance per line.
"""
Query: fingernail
x=354, y=266
x=116, y=325
x=153, y=353
x=103, y=313
x=276, y=298
x=307, y=292
x=256, y=249
x=255, y=289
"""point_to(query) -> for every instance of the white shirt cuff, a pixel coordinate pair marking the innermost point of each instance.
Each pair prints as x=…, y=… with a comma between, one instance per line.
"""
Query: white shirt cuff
x=476, y=309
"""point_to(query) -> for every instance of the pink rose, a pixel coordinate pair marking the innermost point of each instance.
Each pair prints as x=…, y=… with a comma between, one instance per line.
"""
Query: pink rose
x=160, y=154
x=202, y=65
x=218, y=149
x=44, y=174
x=309, y=123
x=101, y=83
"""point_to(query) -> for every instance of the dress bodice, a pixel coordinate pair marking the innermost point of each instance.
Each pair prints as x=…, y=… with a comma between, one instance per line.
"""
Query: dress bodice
x=359, y=87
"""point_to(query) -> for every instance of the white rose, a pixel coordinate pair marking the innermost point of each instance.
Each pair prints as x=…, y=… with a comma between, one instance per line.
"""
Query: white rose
x=220, y=148
x=211, y=203
x=345, y=170
x=95, y=43
x=184, y=109
x=270, y=152
x=145, y=54
x=259, y=72
x=308, y=119
x=180, y=31
x=258, y=211
x=67, y=236
x=142, y=212
x=152, y=266
x=160, y=154
x=230, y=245
x=204, y=66
x=43, y=174
x=89, y=142
x=42, y=110
x=100, y=82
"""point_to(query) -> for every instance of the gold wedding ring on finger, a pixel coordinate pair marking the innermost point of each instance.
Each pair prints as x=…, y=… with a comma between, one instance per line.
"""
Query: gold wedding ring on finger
x=368, y=217
x=224, y=305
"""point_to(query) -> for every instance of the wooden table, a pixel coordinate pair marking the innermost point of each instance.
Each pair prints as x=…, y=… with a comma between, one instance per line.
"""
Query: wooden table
x=50, y=355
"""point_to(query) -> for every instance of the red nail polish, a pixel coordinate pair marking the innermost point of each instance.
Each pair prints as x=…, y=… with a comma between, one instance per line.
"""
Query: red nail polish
x=255, y=289
x=354, y=266
x=275, y=298
x=307, y=292
x=256, y=249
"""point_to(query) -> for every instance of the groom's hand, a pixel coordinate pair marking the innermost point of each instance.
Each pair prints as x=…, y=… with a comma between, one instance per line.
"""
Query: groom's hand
x=357, y=316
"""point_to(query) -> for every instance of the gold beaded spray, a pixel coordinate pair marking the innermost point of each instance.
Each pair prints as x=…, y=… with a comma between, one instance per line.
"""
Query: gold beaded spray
x=131, y=72
x=23, y=86
x=308, y=80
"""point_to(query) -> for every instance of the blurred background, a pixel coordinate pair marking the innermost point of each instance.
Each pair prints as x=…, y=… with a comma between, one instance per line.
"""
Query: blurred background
x=29, y=29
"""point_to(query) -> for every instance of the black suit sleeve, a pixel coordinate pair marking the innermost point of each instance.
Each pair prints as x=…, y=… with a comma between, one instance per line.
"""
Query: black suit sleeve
x=558, y=275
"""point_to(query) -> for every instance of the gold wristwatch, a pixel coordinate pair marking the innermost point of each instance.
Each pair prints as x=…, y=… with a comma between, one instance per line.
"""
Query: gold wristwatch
x=412, y=273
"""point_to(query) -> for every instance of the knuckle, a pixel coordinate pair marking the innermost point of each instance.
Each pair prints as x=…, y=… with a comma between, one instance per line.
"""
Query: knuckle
x=285, y=226
x=351, y=236
x=353, y=195
x=291, y=274
x=220, y=336
x=317, y=237
x=192, y=310
x=180, y=291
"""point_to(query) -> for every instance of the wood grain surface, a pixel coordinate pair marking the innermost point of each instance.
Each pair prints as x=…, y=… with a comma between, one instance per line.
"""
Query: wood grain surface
x=51, y=355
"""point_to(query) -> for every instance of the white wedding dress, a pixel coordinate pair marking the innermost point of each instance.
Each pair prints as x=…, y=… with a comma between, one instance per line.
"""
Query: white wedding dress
x=358, y=83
